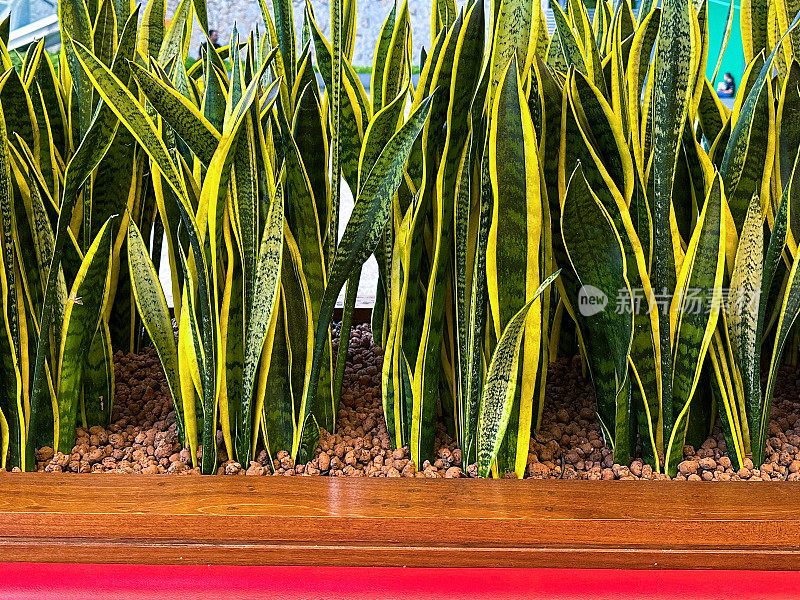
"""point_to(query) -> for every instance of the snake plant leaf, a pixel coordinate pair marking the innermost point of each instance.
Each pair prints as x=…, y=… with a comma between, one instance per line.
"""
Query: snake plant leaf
x=299, y=330
x=246, y=212
x=616, y=74
x=396, y=395
x=672, y=94
x=231, y=327
x=98, y=379
x=787, y=119
x=133, y=116
x=588, y=232
x=5, y=440
x=379, y=60
x=782, y=17
x=515, y=236
x=5, y=29
x=218, y=176
x=626, y=17
x=113, y=192
x=13, y=435
x=411, y=298
x=47, y=151
x=605, y=133
x=443, y=15
x=467, y=207
x=279, y=67
x=81, y=319
x=277, y=414
x=636, y=71
x=693, y=313
x=363, y=230
x=153, y=308
x=284, y=26
x=123, y=9
x=50, y=87
x=309, y=440
x=381, y=129
x=598, y=132
x=555, y=59
x=308, y=131
x=18, y=111
x=711, y=113
x=742, y=309
x=699, y=14
x=581, y=25
x=214, y=96
x=41, y=240
x=396, y=72
x=76, y=24
x=348, y=29
x=263, y=312
x=601, y=26
x=306, y=77
x=181, y=114
x=196, y=363
x=501, y=381
x=570, y=45
x=235, y=86
x=345, y=328
x=515, y=32
x=345, y=131
x=753, y=21
x=175, y=38
x=152, y=29
x=189, y=376
x=201, y=13
x=105, y=32
x=478, y=308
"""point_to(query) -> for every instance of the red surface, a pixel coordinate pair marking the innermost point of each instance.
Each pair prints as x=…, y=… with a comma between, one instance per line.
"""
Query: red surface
x=131, y=582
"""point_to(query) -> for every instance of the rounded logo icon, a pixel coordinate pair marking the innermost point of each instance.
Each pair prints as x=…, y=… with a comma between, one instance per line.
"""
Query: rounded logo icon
x=591, y=301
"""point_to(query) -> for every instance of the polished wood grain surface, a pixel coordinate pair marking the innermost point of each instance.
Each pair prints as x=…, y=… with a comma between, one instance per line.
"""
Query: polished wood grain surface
x=385, y=522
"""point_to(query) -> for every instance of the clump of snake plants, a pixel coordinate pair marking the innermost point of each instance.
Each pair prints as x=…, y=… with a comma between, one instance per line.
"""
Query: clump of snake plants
x=240, y=160
x=602, y=152
x=70, y=182
x=527, y=192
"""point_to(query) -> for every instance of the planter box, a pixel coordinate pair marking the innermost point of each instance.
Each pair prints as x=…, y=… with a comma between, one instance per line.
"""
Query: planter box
x=363, y=522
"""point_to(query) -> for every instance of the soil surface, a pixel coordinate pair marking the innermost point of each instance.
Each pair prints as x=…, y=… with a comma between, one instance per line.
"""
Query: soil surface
x=143, y=436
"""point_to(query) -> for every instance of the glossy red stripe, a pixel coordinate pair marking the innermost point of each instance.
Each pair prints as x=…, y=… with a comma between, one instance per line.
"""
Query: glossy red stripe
x=23, y=581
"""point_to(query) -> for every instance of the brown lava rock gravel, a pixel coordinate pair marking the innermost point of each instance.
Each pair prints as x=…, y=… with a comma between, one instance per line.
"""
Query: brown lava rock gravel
x=143, y=437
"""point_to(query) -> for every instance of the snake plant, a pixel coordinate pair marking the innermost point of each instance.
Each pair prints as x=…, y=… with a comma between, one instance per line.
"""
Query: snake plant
x=530, y=189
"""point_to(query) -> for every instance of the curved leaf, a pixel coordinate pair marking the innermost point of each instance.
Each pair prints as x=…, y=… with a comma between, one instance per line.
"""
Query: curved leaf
x=81, y=318
x=501, y=382
x=154, y=311
x=183, y=116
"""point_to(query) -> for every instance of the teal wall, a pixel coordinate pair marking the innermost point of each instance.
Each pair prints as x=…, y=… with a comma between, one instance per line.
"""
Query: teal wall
x=733, y=60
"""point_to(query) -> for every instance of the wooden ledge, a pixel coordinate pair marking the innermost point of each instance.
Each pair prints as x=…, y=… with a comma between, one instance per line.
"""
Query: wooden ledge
x=383, y=522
